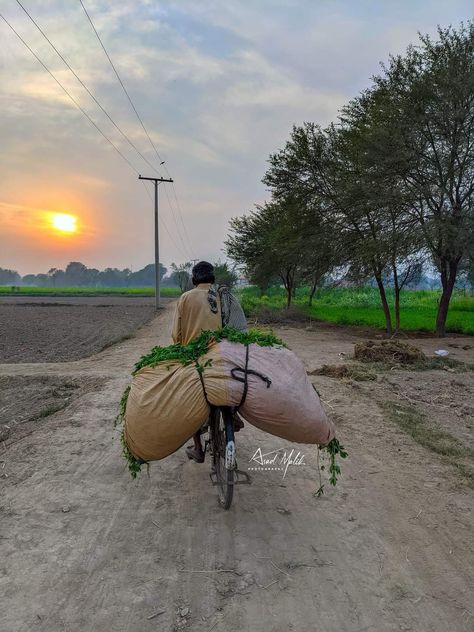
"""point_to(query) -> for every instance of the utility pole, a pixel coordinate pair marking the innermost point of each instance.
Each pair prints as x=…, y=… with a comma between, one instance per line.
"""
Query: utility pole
x=157, y=241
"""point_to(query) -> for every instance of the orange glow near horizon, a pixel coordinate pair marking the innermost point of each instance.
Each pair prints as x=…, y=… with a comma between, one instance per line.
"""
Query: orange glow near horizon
x=64, y=223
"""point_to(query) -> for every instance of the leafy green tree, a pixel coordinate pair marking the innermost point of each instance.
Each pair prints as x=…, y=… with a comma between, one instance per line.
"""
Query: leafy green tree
x=225, y=275
x=266, y=244
x=430, y=105
x=146, y=276
x=322, y=169
x=75, y=274
x=182, y=275
x=9, y=277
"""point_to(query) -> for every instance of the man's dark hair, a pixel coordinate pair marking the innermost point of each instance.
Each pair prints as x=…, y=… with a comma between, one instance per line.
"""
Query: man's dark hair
x=203, y=272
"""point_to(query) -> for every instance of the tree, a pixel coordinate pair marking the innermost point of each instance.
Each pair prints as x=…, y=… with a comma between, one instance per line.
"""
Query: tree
x=113, y=277
x=323, y=170
x=9, y=277
x=75, y=274
x=225, y=275
x=182, y=275
x=266, y=244
x=431, y=99
x=56, y=277
x=146, y=276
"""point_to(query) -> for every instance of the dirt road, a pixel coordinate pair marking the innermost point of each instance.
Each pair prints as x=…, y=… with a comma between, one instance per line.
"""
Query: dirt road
x=84, y=548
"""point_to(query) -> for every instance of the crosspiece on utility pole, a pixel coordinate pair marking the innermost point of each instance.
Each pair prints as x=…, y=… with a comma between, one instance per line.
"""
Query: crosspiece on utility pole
x=156, y=181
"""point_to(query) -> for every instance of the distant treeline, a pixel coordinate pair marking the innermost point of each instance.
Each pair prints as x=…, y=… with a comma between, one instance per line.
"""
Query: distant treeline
x=77, y=274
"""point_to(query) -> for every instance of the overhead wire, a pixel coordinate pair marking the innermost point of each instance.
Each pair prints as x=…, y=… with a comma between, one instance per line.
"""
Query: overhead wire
x=79, y=107
x=120, y=80
x=189, y=247
x=164, y=223
x=130, y=142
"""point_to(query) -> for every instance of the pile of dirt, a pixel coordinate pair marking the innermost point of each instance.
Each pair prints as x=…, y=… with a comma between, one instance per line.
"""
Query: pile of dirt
x=343, y=371
x=388, y=352
x=332, y=370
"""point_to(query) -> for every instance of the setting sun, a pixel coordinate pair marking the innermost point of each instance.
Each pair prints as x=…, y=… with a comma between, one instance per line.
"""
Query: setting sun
x=64, y=223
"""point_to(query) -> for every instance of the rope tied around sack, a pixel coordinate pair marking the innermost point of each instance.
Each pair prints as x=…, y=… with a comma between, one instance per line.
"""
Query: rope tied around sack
x=246, y=371
x=200, y=371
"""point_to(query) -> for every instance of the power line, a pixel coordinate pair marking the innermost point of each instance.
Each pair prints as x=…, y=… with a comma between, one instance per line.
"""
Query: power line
x=68, y=94
x=82, y=111
x=186, y=248
x=131, y=143
x=164, y=224
x=144, y=129
x=120, y=80
x=181, y=216
x=124, y=135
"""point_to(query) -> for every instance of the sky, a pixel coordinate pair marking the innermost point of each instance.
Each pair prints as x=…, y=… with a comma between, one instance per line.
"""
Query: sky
x=218, y=85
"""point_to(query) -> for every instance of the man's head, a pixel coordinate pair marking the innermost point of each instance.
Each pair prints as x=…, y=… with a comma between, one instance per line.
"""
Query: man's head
x=203, y=272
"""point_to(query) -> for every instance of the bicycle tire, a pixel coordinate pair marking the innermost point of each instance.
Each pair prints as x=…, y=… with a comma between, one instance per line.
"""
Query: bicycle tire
x=224, y=476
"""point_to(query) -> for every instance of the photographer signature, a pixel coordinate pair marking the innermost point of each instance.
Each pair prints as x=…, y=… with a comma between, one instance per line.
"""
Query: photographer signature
x=278, y=459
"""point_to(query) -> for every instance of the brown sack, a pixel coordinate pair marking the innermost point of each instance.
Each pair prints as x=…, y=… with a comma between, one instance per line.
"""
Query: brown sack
x=290, y=408
x=166, y=404
x=165, y=407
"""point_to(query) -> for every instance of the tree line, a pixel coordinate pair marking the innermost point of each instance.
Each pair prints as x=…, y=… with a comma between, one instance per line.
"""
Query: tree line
x=76, y=274
x=387, y=187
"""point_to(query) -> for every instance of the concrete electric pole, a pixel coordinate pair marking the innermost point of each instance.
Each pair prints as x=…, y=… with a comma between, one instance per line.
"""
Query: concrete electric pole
x=157, y=241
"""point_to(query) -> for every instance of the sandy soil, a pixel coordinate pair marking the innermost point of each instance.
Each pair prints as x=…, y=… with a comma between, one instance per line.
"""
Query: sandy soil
x=81, y=328
x=83, y=547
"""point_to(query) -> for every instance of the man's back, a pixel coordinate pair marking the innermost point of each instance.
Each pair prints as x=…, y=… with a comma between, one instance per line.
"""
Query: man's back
x=194, y=314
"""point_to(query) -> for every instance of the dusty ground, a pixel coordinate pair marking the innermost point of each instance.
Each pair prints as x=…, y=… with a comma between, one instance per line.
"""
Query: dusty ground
x=85, y=548
x=81, y=325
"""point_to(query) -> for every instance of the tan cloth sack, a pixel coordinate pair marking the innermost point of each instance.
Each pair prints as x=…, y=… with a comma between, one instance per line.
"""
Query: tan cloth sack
x=167, y=405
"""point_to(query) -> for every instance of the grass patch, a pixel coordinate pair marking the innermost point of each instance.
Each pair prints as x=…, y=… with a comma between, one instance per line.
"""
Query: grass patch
x=429, y=436
x=9, y=290
x=361, y=307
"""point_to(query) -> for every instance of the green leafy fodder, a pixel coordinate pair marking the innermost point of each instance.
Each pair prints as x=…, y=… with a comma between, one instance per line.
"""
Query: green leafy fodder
x=134, y=465
x=334, y=448
x=190, y=353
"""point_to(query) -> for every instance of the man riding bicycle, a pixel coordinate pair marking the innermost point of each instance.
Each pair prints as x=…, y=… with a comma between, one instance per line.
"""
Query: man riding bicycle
x=206, y=307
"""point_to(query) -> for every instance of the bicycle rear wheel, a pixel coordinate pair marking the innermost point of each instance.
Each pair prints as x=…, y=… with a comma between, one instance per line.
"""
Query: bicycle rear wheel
x=221, y=435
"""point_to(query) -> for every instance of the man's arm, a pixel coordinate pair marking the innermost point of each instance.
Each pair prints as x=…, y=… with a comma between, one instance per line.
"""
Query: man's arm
x=176, y=333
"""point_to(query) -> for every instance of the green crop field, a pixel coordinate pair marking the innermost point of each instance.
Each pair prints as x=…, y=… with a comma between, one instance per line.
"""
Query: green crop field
x=8, y=290
x=361, y=306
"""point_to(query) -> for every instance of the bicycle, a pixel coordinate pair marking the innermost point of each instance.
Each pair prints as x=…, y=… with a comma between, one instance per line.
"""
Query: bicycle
x=221, y=446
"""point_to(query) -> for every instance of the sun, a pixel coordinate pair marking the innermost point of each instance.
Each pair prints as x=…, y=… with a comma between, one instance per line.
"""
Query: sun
x=64, y=223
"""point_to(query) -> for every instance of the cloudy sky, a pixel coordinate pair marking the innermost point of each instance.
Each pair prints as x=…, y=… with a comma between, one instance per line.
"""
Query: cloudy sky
x=218, y=85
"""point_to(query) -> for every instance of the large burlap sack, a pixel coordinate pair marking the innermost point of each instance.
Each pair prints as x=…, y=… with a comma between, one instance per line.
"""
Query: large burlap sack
x=166, y=404
x=165, y=407
x=289, y=408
